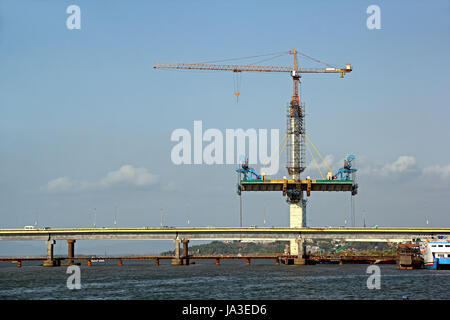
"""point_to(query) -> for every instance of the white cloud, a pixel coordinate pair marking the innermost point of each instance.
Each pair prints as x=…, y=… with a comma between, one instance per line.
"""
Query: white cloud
x=59, y=184
x=170, y=187
x=441, y=171
x=402, y=164
x=127, y=175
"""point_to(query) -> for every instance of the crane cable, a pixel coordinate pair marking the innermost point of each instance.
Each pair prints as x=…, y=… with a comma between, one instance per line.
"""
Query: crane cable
x=326, y=164
x=237, y=84
x=314, y=159
x=265, y=165
x=282, y=150
x=237, y=75
x=275, y=55
x=246, y=58
x=278, y=54
x=267, y=59
x=309, y=150
x=316, y=60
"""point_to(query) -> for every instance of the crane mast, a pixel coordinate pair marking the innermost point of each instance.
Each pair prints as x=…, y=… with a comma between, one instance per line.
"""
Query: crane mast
x=295, y=163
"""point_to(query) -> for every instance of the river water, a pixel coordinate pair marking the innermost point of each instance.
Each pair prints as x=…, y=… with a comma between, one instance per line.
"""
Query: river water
x=229, y=280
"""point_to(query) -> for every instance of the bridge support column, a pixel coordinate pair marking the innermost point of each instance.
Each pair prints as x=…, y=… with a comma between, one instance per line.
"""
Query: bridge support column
x=19, y=264
x=157, y=262
x=297, y=218
x=50, y=262
x=71, y=251
x=177, y=261
x=185, y=251
x=217, y=261
x=301, y=253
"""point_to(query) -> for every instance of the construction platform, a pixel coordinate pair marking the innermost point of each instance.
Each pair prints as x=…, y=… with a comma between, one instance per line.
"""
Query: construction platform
x=301, y=185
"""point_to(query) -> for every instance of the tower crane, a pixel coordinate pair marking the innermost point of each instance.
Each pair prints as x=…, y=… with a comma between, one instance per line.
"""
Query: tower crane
x=295, y=131
x=295, y=135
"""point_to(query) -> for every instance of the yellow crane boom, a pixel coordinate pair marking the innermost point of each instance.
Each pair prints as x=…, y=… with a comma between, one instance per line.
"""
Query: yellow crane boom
x=241, y=68
x=294, y=70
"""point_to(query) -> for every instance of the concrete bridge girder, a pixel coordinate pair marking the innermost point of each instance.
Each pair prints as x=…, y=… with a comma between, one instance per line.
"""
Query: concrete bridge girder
x=262, y=234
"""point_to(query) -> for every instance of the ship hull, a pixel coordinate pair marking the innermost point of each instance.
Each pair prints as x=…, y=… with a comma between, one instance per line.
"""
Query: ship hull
x=438, y=264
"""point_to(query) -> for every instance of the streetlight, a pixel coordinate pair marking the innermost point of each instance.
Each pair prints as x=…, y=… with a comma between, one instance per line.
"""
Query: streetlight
x=35, y=217
x=364, y=218
x=187, y=211
x=264, y=216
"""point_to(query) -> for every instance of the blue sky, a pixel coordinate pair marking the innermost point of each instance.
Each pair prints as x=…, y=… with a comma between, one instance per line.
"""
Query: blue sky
x=78, y=105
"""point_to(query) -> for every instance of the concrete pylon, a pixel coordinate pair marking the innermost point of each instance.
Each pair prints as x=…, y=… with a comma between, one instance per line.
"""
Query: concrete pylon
x=301, y=253
x=297, y=219
x=185, y=251
x=71, y=251
x=177, y=261
x=50, y=262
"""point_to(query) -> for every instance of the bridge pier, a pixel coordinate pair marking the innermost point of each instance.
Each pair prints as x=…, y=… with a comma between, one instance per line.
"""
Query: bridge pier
x=297, y=219
x=156, y=262
x=301, y=253
x=185, y=251
x=177, y=261
x=71, y=251
x=19, y=264
x=50, y=262
x=217, y=261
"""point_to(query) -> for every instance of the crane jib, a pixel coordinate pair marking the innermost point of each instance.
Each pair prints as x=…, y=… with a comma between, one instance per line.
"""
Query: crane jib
x=241, y=68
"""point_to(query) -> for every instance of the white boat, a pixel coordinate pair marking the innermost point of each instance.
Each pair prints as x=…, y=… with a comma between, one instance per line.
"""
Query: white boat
x=436, y=253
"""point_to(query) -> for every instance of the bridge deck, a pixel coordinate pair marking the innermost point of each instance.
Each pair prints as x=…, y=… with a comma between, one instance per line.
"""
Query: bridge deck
x=315, y=185
x=269, y=234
